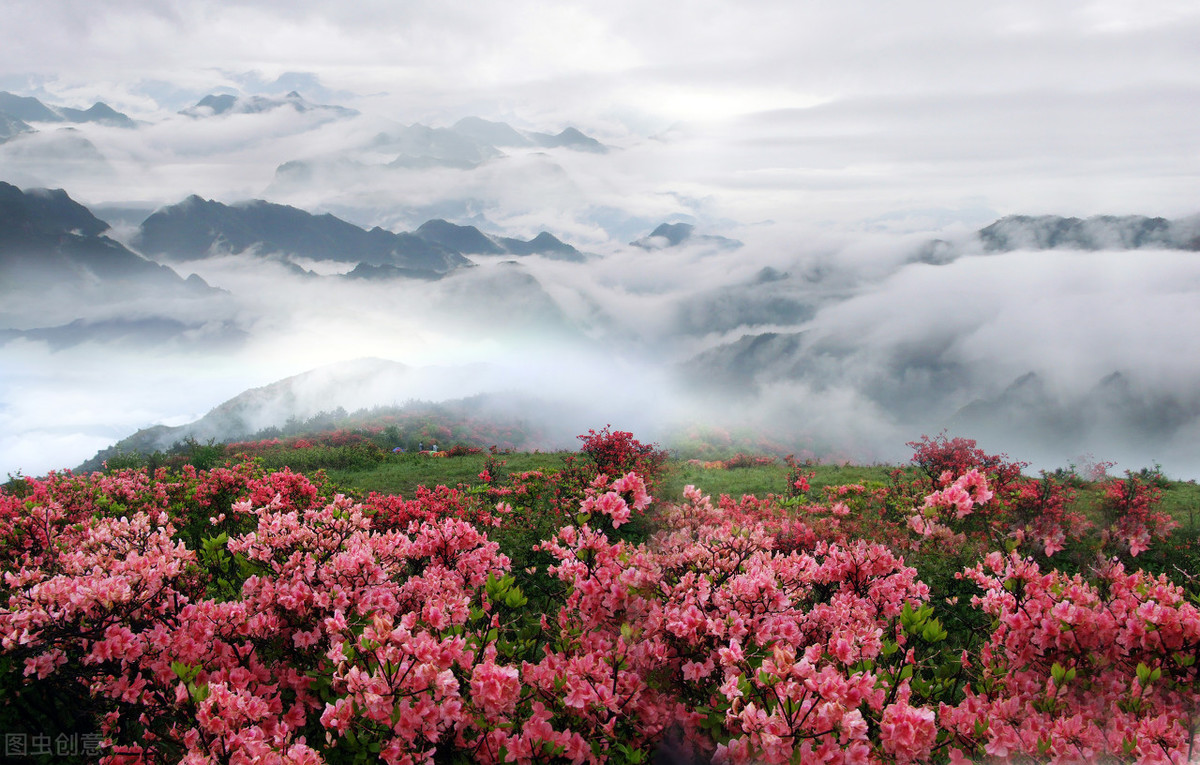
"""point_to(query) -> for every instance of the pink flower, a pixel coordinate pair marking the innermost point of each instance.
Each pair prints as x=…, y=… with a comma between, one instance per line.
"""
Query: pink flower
x=337, y=715
x=907, y=732
x=494, y=688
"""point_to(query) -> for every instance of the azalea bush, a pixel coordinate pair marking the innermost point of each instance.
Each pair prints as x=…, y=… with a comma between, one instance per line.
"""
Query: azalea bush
x=246, y=614
x=615, y=452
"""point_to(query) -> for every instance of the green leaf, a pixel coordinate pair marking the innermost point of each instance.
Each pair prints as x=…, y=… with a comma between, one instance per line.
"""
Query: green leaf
x=185, y=672
x=933, y=632
x=1143, y=674
x=515, y=598
x=1058, y=672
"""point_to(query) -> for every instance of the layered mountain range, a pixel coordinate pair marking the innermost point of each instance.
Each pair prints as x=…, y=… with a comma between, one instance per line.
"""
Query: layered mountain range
x=65, y=282
x=47, y=239
x=55, y=261
x=67, y=279
x=306, y=145
x=22, y=110
x=197, y=228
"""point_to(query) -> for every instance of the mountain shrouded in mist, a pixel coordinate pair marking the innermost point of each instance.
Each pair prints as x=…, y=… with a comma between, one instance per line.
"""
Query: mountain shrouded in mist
x=10, y=127
x=215, y=105
x=197, y=228
x=29, y=109
x=794, y=338
x=47, y=240
x=987, y=226
x=62, y=280
x=676, y=234
x=350, y=385
x=469, y=240
x=1104, y=232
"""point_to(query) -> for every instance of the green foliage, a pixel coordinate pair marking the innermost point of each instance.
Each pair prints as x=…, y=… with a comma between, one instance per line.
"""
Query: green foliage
x=403, y=473
x=358, y=456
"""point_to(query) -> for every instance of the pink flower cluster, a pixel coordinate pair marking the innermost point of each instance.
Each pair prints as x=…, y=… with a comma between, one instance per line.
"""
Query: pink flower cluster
x=960, y=495
x=236, y=616
x=1080, y=671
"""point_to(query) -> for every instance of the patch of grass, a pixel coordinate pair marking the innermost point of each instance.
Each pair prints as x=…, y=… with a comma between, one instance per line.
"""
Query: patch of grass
x=841, y=475
x=761, y=480
x=403, y=473
x=1182, y=500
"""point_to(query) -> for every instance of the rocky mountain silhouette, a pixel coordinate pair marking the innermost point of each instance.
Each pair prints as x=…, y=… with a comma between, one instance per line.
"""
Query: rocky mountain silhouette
x=471, y=241
x=49, y=239
x=199, y=228
x=677, y=234
x=30, y=109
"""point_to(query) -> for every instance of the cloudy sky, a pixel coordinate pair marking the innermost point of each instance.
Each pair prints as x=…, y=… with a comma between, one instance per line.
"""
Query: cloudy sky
x=832, y=138
x=853, y=108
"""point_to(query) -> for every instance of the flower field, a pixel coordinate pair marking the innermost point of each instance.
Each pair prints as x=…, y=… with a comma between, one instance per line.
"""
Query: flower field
x=961, y=611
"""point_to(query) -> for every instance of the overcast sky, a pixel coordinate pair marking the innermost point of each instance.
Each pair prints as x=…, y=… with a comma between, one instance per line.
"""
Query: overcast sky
x=859, y=108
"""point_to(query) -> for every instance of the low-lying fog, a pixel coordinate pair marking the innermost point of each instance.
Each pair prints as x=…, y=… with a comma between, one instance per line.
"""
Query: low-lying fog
x=858, y=349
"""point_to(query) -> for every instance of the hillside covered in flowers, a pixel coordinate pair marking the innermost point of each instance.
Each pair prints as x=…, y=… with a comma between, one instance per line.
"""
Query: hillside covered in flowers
x=961, y=611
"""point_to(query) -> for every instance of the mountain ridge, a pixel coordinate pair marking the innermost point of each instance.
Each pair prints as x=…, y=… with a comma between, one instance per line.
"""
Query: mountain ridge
x=197, y=228
x=29, y=109
x=220, y=104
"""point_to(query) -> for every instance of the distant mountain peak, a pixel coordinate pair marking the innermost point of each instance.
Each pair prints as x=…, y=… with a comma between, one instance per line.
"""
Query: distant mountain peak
x=30, y=109
x=218, y=104
x=493, y=133
x=214, y=105
x=465, y=239
x=503, y=134
x=36, y=214
x=27, y=108
x=570, y=138
x=470, y=240
x=668, y=235
x=674, y=233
